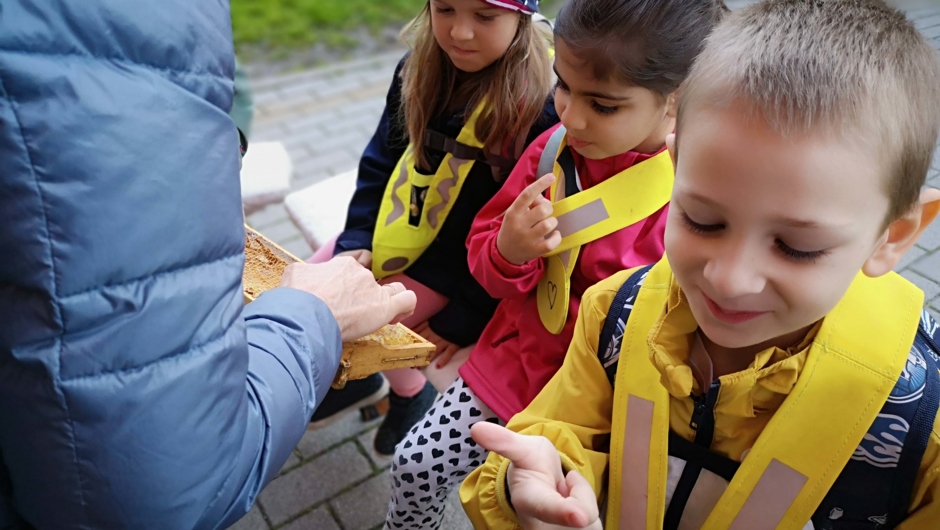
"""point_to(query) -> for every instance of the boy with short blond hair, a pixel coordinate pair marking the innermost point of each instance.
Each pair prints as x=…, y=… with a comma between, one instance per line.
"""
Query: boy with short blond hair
x=772, y=372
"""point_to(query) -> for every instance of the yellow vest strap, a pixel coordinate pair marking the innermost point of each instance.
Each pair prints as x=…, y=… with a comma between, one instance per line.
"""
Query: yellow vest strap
x=851, y=367
x=620, y=201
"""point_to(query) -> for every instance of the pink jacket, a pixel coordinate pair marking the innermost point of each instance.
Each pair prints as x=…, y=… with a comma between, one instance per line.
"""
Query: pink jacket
x=516, y=356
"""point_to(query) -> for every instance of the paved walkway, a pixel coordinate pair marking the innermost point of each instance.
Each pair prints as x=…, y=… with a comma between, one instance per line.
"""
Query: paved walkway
x=325, y=117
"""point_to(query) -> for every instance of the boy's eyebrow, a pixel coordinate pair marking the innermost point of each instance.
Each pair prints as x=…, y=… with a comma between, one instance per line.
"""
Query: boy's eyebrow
x=595, y=95
x=789, y=221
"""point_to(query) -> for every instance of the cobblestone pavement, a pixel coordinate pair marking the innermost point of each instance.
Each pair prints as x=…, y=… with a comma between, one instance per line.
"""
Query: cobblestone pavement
x=325, y=117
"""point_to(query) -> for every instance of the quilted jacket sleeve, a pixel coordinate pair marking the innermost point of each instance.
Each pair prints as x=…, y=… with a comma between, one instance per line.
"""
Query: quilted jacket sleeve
x=136, y=389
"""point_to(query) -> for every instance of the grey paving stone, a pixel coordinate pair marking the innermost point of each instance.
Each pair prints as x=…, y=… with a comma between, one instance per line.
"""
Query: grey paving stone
x=454, y=516
x=930, y=287
x=292, y=461
x=366, y=441
x=364, y=506
x=267, y=217
x=318, y=168
x=313, y=482
x=253, y=520
x=281, y=232
x=319, y=519
x=351, y=139
x=348, y=427
x=912, y=255
x=297, y=246
x=930, y=239
x=929, y=266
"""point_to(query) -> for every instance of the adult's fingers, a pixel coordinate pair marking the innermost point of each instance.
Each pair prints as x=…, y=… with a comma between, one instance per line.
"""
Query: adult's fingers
x=401, y=305
x=531, y=193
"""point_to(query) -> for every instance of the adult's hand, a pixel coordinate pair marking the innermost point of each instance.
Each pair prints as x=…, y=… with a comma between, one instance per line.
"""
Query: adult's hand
x=359, y=304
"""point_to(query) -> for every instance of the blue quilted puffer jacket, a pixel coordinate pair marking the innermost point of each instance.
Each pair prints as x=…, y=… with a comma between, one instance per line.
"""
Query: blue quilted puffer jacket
x=136, y=389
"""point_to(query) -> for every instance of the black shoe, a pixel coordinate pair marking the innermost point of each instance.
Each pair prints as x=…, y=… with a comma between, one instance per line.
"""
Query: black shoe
x=356, y=395
x=403, y=414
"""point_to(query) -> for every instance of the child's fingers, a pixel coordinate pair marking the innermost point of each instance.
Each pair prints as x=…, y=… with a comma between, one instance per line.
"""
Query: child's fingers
x=447, y=355
x=528, y=453
x=545, y=227
x=500, y=440
x=552, y=241
x=580, y=490
x=531, y=193
x=559, y=512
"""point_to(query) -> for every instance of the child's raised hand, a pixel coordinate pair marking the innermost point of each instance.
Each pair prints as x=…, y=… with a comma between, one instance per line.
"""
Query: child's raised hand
x=528, y=229
x=444, y=349
x=542, y=495
x=363, y=256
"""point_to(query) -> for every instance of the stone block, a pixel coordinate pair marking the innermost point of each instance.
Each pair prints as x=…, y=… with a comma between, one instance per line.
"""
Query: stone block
x=350, y=426
x=930, y=287
x=298, y=247
x=312, y=483
x=291, y=463
x=930, y=239
x=454, y=516
x=319, y=519
x=364, y=506
x=912, y=255
x=366, y=441
x=253, y=520
x=928, y=266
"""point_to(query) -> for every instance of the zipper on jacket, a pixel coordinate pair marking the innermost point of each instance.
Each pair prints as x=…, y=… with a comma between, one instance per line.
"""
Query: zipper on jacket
x=703, y=414
x=703, y=421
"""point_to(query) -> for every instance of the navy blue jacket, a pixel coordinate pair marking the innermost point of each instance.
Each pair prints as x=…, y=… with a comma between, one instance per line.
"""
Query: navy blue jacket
x=443, y=267
x=136, y=389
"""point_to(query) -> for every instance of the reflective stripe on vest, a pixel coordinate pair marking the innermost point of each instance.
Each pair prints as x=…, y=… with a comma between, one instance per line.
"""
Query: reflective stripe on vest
x=620, y=201
x=397, y=242
x=851, y=367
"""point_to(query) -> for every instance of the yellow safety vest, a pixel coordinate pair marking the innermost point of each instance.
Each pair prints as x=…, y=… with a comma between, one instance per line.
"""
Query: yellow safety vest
x=851, y=368
x=404, y=229
x=620, y=201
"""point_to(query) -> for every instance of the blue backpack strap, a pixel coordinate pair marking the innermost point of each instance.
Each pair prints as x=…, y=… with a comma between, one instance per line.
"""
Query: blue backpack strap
x=874, y=490
x=608, y=348
x=922, y=424
x=547, y=160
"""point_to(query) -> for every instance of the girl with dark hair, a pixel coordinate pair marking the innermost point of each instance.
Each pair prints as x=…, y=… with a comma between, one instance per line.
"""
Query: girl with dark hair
x=586, y=200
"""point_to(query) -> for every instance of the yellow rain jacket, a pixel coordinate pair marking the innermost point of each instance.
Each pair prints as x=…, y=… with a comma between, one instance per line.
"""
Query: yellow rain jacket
x=578, y=412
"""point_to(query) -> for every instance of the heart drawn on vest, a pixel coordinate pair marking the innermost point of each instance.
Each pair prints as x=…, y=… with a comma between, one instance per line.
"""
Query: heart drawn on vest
x=552, y=294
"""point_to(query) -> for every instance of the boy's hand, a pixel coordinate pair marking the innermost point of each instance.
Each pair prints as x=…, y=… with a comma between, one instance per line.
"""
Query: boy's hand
x=445, y=350
x=363, y=256
x=528, y=229
x=543, y=497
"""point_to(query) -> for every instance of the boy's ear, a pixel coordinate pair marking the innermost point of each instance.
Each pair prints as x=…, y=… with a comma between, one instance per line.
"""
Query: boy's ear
x=901, y=234
x=671, y=147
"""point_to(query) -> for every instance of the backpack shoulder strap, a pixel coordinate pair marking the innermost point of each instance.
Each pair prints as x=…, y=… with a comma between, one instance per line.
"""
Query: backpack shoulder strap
x=874, y=489
x=925, y=344
x=547, y=160
x=608, y=348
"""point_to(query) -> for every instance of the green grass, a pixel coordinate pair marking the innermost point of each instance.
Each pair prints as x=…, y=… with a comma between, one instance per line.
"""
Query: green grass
x=293, y=24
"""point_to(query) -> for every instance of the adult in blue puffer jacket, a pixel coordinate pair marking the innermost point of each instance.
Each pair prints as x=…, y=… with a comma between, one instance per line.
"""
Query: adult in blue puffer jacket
x=136, y=390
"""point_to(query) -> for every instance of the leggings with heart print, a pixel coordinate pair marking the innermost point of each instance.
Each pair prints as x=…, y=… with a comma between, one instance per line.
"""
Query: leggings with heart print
x=436, y=456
